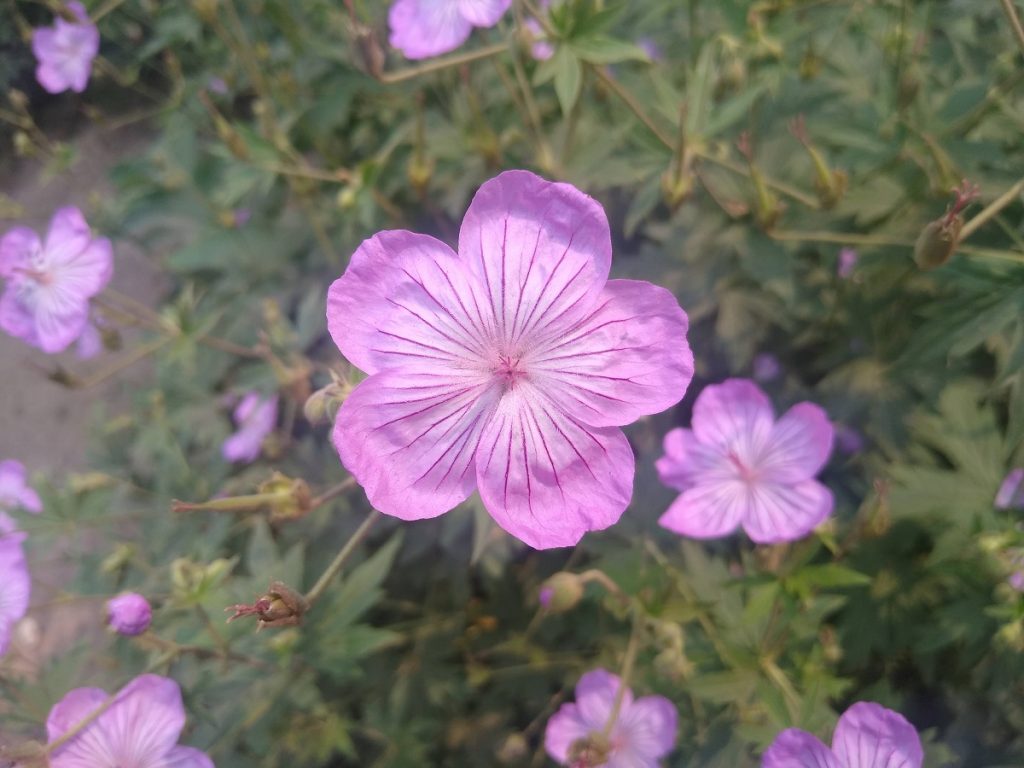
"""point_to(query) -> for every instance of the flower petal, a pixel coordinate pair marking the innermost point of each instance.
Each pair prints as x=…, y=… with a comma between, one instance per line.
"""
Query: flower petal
x=734, y=415
x=15, y=583
x=405, y=302
x=145, y=722
x=484, y=13
x=799, y=445
x=88, y=748
x=649, y=727
x=424, y=28
x=67, y=236
x=540, y=252
x=565, y=728
x=708, y=510
x=410, y=439
x=186, y=757
x=870, y=736
x=16, y=249
x=59, y=318
x=625, y=359
x=779, y=512
x=794, y=748
x=687, y=461
x=545, y=477
x=595, y=697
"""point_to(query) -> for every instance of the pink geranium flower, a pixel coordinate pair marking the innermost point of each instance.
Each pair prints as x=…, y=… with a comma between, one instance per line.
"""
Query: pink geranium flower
x=507, y=367
x=867, y=736
x=738, y=466
x=644, y=730
x=65, y=51
x=424, y=28
x=255, y=417
x=49, y=284
x=15, y=583
x=141, y=728
x=15, y=493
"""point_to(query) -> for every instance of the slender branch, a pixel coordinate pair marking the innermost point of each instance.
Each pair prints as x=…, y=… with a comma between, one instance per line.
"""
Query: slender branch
x=627, y=671
x=333, y=492
x=435, y=65
x=1014, y=19
x=991, y=210
x=339, y=561
x=111, y=5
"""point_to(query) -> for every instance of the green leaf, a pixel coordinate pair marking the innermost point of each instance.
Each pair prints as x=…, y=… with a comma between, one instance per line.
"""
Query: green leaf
x=831, y=575
x=568, y=78
x=601, y=49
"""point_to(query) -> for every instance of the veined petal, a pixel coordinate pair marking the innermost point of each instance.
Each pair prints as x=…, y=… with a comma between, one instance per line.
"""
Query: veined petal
x=627, y=358
x=735, y=416
x=186, y=757
x=540, y=253
x=145, y=722
x=410, y=439
x=778, y=512
x=87, y=749
x=794, y=748
x=67, y=236
x=870, y=736
x=424, y=28
x=405, y=302
x=545, y=477
x=484, y=13
x=595, y=697
x=16, y=318
x=86, y=272
x=687, y=461
x=707, y=510
x=799, y=445
x=15, y=582
x=649, y=727
x=16, y=249
x=564, y=729
x=60, y=316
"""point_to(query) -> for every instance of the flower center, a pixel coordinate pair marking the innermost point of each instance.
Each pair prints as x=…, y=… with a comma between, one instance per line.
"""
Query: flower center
x=747, y=474
x=510, y=370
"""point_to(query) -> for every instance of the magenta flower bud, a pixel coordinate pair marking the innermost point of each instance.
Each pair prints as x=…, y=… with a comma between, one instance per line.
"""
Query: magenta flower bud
x=129, y=614
x=561, y=592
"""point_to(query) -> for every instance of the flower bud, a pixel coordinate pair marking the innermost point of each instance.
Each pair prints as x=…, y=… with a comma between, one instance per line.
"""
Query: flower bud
x=938, y=240
x=129, y=614
x=289, y=499
x=118, y=560
x=281, y=606
x=561, y=592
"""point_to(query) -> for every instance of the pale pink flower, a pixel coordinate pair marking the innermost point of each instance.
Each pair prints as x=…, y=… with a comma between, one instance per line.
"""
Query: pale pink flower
x=15, y=582
x=139, y=730
x=738, y=466
x=1011, y=491
x=49, y=284
x=129, y=614
x=424, y=28
x=65, y=51
x=255, y=417
x=867, y=736
x=507, y=367
x=643, y=733
x=15, y=492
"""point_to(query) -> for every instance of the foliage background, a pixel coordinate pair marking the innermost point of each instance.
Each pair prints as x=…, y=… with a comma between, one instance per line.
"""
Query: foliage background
x=430, y=650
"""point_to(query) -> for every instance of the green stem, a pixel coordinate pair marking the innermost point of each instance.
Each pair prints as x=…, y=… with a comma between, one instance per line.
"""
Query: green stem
x=991, y=210
x=436, y=65
x=626, y=673
x=339, y=560
x=1014, y=19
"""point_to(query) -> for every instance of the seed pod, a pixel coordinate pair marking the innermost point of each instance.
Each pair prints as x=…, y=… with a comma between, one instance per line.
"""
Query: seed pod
x=561, y=592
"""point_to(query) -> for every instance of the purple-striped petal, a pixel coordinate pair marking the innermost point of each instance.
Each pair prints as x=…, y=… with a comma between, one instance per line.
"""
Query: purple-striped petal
x=410, y=438
x=777, y=512
x=707, y=510
x=405, y=303
x=540, y=253
x=625, y=359
x=870, y=736
x=484, y=13
x=424, y=28
x=799, y=445
x=687, y=461
x=547, y=478
x=794, y=748
x=734, y=416
x=648, y=728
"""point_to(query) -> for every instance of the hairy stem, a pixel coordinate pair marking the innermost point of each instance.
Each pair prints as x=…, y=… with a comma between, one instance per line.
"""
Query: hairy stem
x=343, y=555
